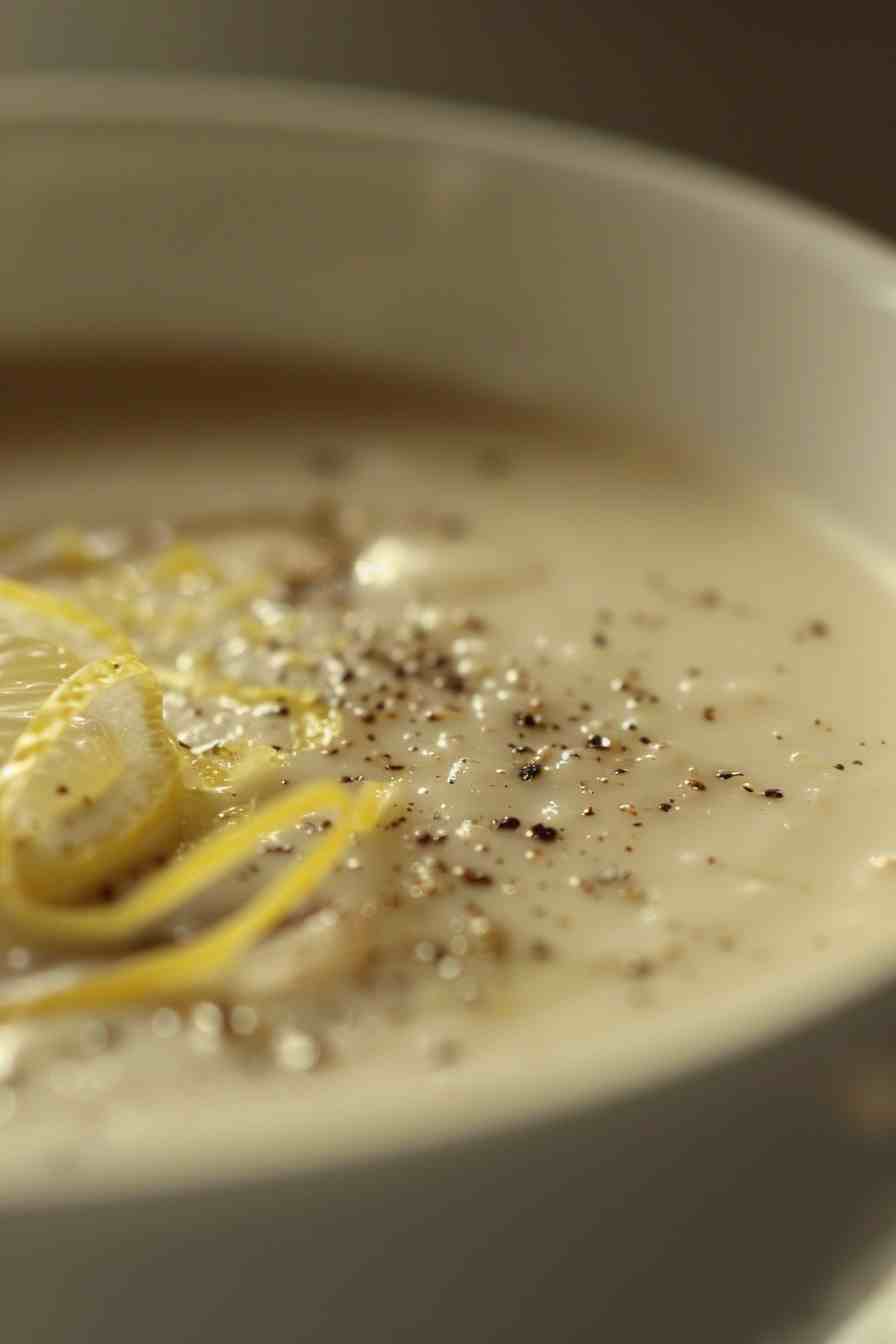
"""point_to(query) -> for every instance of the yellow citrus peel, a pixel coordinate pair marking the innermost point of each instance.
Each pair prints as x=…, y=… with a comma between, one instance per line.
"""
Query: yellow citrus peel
x=34, y=612
x=182, y=970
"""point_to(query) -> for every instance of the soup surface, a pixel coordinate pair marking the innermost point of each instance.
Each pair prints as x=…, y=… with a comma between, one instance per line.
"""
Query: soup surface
x=628, y=720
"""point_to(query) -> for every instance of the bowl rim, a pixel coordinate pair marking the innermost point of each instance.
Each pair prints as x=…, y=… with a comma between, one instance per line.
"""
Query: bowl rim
x=251, y=102
x=119, y=103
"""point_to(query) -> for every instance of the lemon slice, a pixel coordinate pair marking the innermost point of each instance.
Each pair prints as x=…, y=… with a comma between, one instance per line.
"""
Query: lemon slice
x=92, y=787
x=43, y=640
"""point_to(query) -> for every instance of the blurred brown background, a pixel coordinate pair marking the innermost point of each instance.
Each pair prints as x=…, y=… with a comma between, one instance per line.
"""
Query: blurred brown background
x=790, y=93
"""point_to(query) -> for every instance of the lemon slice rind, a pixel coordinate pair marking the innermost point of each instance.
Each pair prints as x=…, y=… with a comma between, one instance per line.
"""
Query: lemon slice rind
x=35, y=613
x=60, y=839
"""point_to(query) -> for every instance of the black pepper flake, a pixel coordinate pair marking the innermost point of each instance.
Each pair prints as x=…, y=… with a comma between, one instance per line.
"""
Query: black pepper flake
x=598, y=740
x=392, y=766
x=666, y=807
x=697, y=784
x=474, y=879
x=527, y=719
x=521, y=751
x=600, y=640
x=531, y=770
x=773, y=793
x=62, y=788
x=709, y=714
x=508, y=824
x=729, y=774
x=427, y=837
x=541, y=832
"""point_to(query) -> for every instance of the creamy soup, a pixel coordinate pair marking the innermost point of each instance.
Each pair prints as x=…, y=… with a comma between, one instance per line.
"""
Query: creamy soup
x=628, y=724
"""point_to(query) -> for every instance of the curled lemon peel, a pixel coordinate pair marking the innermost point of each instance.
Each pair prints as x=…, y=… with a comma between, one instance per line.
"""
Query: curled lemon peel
x=180, y=971
x=60, y=616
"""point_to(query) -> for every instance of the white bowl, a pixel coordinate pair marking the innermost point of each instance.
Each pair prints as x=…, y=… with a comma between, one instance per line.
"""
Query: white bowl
x=677, y=1188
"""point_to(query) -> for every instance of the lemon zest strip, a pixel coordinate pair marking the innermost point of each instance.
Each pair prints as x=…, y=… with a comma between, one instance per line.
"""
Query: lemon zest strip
x=60, y=611
x=182, y=970
x=175, y=885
